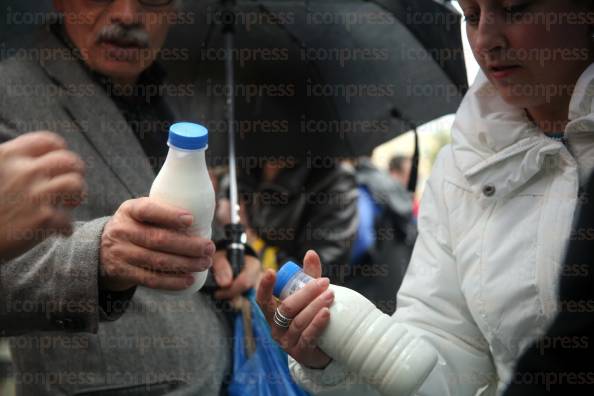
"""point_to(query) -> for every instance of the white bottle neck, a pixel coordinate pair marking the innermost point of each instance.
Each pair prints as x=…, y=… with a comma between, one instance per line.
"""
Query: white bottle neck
x=181, y=155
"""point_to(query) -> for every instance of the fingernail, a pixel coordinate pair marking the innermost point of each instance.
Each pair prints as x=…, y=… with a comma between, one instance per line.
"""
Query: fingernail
x=190, y=281
x=210, y=249
x=328, y=295
x=186, y=220
x=323, y=282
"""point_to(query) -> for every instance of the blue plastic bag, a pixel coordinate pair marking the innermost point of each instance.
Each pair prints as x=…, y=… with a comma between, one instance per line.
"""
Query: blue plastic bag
x=265, y=372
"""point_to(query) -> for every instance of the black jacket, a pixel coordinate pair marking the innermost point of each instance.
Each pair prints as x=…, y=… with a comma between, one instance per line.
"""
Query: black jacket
x=378, y=273
x=562, y=362
x=305, y=209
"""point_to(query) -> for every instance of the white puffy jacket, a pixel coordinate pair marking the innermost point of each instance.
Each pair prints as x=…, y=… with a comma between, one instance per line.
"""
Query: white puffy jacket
x=495, y=218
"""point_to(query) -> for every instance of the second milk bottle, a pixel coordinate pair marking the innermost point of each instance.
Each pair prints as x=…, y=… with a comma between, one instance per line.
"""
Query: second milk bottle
x=365, y=340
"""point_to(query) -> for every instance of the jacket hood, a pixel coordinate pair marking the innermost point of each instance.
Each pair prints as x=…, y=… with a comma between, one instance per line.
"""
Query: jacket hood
x=495, y=144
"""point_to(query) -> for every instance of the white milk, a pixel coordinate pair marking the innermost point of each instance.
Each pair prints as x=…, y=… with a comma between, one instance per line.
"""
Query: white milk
x=365, y=340
x=184, y=182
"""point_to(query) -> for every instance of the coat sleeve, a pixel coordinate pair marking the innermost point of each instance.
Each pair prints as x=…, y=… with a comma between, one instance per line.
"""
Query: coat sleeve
x=431, y=305
x=332, y=221
x=53, y=287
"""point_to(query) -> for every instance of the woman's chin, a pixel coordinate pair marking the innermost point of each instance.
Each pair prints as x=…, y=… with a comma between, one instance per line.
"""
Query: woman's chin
x=515, y=98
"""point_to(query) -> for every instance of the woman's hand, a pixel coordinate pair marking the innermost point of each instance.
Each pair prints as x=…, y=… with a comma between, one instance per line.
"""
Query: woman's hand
x=308, y=309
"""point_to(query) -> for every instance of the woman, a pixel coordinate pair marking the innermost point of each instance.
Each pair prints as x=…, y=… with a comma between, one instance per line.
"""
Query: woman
x=497, y=210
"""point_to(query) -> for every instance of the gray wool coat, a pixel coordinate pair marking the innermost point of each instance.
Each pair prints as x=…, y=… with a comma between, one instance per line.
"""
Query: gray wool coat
x=65, y=344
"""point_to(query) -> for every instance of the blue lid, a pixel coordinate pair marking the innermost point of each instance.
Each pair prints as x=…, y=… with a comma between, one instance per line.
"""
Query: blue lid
x=188, y=136
x=283, y=276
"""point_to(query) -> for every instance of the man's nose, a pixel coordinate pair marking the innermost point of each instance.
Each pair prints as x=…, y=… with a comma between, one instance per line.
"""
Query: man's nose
x=127, y=12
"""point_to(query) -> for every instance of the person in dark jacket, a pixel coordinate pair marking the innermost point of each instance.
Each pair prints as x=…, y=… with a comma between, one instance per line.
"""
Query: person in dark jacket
x=385, y=236
x=289, y=208
x=562, y=361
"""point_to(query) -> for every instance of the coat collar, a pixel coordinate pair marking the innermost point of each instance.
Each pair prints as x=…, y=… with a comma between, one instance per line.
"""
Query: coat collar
x=496, y=145
x=99, y=119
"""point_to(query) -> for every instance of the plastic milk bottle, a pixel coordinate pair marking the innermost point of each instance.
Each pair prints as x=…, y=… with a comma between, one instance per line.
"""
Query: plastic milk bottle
x=365, y=340
x=184, y=182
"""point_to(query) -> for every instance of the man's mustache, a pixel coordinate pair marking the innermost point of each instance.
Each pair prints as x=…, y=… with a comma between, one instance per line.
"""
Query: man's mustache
x=124, y=36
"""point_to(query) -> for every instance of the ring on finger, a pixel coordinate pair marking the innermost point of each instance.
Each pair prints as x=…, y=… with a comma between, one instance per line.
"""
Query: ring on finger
x=280, y=319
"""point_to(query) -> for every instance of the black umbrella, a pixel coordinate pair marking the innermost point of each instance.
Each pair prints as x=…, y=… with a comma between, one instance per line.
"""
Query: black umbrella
x=327, y=77
x=321, y=77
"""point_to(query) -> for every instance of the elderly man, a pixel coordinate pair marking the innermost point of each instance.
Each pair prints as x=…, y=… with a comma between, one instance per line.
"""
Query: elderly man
x=97, y=91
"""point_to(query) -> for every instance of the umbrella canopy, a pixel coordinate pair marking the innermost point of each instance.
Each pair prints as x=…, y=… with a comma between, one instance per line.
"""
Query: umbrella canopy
x=316, y=77
x=327, y=77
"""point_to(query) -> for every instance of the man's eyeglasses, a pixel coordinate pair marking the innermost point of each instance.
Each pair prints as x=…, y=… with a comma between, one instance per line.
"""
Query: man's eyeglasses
x=146, y=3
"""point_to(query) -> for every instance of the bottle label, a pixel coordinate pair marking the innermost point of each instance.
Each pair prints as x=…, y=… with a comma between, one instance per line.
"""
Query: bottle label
x=296, y=284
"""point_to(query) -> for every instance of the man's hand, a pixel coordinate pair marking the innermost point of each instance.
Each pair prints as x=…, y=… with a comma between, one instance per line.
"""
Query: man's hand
x=230, y=288
x=147, y=243
x=39, y=181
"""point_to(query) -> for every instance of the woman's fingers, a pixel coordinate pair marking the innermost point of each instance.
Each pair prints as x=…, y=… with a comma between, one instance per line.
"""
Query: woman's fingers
x=312, y=265
x=307, y=345
x=295, y=303
x=303, y=320
x=305, y=350
x=311, y=335
x=264, y=295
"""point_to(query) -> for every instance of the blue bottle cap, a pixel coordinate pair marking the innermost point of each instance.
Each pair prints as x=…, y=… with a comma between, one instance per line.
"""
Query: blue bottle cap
x=283, y=276
x=188, y=136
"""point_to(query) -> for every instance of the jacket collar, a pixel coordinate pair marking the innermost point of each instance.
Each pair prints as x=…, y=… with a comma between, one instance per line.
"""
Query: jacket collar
x=96, y=114
x=496, y=145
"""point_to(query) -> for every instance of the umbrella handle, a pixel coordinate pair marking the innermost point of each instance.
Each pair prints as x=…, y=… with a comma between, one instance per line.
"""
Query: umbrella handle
x=235, y=250
x=414, y=170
